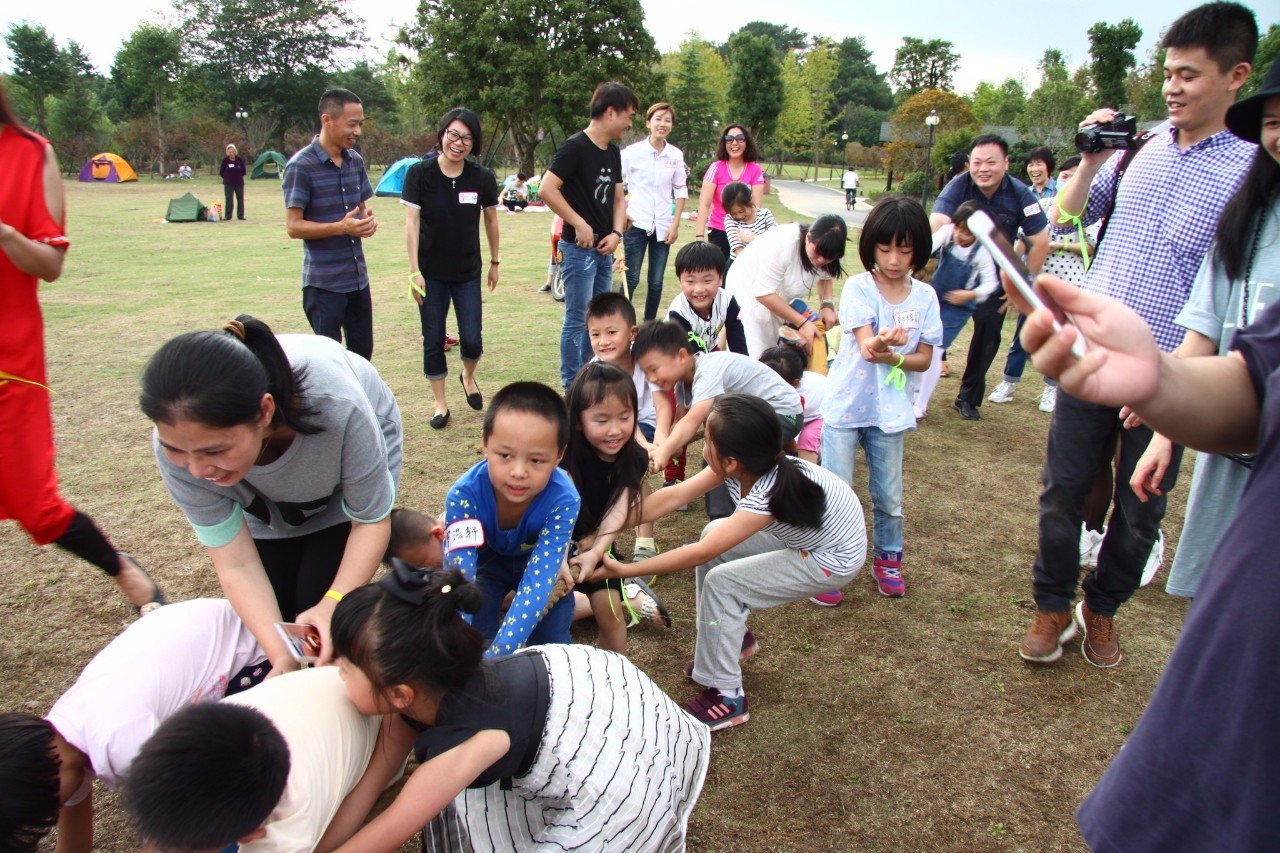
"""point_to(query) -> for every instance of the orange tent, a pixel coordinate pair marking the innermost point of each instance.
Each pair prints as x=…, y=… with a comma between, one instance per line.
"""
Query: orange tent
x=109, y=168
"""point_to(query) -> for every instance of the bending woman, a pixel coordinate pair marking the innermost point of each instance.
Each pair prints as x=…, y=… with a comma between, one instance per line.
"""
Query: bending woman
x=284, y=454
x=32, y=246
x=442, y=199
x=779, y=266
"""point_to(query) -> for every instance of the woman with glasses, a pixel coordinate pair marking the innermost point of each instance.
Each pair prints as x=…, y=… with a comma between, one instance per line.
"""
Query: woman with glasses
x=443, y=199
x=736, y=157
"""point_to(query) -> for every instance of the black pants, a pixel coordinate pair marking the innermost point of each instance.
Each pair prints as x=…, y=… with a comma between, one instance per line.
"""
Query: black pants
x=987, y=325
x=233, y=195
x=302, y=569
x=332, y=314
x=1080, y=441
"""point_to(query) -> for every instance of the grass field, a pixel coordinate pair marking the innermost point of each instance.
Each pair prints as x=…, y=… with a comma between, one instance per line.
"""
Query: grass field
x=882, y=725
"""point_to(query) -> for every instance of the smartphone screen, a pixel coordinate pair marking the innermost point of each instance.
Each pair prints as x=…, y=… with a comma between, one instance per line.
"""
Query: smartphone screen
x=303, y=641
x=984, y=229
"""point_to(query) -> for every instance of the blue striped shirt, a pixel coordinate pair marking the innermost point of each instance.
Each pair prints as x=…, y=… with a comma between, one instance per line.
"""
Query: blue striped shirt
x=326, y=192
x=1166, y=213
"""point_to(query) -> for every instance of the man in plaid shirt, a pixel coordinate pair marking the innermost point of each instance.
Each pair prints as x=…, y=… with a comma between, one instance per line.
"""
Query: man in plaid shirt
x=1161, y=226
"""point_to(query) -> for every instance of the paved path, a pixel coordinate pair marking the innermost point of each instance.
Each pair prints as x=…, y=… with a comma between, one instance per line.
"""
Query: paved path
x=815, y=200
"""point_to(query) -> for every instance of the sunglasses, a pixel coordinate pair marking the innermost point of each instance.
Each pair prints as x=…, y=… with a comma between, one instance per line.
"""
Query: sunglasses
x=736, y=137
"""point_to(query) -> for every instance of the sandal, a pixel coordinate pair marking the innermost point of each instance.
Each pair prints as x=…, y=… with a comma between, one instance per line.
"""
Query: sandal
x=157, y=599
x=651, y=610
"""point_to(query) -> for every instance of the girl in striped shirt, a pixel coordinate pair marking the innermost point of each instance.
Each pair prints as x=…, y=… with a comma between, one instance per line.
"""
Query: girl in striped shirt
x=797, y=531
x=744, y=220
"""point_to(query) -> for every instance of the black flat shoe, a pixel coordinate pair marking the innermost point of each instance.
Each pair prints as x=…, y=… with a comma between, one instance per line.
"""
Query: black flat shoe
x=475, y=401
x=440, y=421
x=157, y=599
x=968, y=411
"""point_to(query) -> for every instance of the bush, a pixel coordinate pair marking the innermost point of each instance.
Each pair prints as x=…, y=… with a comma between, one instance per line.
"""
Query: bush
x=912, y=184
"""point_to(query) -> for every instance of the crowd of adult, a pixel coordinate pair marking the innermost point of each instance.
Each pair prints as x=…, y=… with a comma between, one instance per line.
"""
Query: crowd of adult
x=284, y=452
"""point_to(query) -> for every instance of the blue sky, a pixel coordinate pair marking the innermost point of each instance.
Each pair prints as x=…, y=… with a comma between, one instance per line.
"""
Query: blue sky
x=994, y=41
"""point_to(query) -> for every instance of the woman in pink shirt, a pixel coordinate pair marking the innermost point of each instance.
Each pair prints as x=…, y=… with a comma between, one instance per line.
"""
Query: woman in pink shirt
x=736, y=157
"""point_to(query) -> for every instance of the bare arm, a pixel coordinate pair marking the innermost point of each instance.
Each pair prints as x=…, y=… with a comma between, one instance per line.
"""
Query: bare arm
x=75, y=827
x=360, y=559
x=244, y=581
x=31, y=256
x=491, y=234
x=551, y=195
x=757, y=194
x=395, y=739
x=704, y=209
x=734, y=530
x=937, y=220
x=412, y=233
x=673, y=233
x=681, y=434
x=1037, y=250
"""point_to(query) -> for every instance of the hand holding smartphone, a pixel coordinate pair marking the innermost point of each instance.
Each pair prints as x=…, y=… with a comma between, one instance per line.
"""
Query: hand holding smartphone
x=303, y=641
x=984, y=229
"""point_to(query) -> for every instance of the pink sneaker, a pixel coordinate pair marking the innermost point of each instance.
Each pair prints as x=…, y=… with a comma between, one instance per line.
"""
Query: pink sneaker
x=888, y=571
x=828, y=599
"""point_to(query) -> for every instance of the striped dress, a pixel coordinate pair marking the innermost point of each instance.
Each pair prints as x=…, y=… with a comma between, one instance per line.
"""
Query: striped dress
x=619, y=768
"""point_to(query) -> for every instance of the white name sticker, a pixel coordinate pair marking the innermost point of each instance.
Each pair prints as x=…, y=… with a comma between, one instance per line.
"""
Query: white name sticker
x=467, y=533
x=907, y=319
x=468, y=198
x=1032, y=209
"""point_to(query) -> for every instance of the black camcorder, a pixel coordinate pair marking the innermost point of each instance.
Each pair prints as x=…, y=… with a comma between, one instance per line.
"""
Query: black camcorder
x=1116, y=135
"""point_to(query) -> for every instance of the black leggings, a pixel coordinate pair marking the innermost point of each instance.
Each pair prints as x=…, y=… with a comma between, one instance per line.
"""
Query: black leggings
x=301, y=569
x=86, y=541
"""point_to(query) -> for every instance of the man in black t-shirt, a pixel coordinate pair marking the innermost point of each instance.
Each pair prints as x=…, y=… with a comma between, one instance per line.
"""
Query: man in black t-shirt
x=584, y=187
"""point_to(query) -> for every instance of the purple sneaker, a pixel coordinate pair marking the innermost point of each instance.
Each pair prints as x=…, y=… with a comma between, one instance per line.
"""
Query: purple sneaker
x=888, y=571
x=828, y=599
x=717, y=710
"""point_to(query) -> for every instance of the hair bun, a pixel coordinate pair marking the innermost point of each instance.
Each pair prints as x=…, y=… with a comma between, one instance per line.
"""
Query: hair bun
x=452, y=584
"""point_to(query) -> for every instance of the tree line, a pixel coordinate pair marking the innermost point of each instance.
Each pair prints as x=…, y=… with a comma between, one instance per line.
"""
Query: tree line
x=250, y=72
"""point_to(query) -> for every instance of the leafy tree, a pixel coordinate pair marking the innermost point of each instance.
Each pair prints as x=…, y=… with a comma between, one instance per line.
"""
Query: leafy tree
x=911, y=134
x=755, y=93
x=697, y=105
x=919, y=65
x=820, y=70
x=1001, y=104
x=784, y=38
x=369, y=82
x=1055, y=108
x=1145, y=87
x=795, y=123
x=408, y=93
x=531, y=64
x=78, y=127
x=38, y=67
x=862, y=123
x=1112, y=50
x=145, y=71
x=1268, y=52
x=858, y=82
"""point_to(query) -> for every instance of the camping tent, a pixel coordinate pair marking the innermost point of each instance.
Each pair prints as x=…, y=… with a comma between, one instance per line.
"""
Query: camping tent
x=107, y=167
x=392, y=182
x=185, y=209
x=270, y=164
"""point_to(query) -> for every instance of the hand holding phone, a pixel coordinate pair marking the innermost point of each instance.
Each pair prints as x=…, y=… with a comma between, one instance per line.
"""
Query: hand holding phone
x=984, y=229
x=303, y=641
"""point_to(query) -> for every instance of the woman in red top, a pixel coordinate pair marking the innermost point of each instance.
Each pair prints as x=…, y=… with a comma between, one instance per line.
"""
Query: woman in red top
x=32, y=245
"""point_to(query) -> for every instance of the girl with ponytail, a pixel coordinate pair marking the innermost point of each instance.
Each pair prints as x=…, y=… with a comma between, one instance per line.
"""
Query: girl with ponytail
x=797, y=531
x=284, y=453
x=561, y=746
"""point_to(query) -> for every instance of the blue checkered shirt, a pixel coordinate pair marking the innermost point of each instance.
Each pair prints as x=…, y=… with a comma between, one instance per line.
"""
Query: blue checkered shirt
x=326, y=193
x=1165, y=216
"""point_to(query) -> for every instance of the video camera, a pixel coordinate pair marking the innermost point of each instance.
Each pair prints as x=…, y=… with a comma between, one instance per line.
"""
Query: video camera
x=1116, y=135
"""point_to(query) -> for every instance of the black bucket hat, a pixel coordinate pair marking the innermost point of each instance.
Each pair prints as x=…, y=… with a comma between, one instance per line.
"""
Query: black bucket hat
x=1244, y=118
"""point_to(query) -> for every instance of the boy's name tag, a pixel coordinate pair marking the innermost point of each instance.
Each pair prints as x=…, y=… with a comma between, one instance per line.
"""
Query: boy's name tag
x=466, y=533
x=468, y=198
x=907, y=319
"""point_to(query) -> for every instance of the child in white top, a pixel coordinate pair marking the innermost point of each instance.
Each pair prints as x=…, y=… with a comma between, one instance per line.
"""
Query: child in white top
x=891, y=324
x=788, y=361
x=744, y=221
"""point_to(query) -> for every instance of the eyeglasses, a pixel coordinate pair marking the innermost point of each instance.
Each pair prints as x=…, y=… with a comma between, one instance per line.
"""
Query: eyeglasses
x=736, y=137
x=453, y=136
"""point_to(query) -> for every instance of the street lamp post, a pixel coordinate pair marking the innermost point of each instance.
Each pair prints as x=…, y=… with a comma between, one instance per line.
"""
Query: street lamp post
x=932, y=120
x=242, y=114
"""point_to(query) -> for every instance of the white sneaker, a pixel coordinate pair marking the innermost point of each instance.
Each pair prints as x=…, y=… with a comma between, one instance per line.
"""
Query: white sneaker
x=1003, y=393
x=1048, y=398
x=1090, y=544
x=1154, y=561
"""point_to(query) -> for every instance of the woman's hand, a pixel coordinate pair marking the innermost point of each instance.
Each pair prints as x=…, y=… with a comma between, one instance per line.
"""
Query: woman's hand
x=673, y=233
x=319, y=617
x=280, y=667
x=1151, y=467
x=417, y=295
x=493, y=278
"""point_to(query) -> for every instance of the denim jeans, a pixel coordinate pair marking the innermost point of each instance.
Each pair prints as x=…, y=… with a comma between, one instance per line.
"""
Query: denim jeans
x=954, y=318
x=586, y=273
x=884, y=465
x=634, y=244
x=335, y=314
x=1079, y=443
x=1016, y=361
x=465, y=296
x=498, y=574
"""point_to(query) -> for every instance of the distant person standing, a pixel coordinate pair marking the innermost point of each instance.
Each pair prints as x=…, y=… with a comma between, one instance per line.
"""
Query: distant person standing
x=232, y=172
x=325, y=190
x=584, y=187
x=656, y=194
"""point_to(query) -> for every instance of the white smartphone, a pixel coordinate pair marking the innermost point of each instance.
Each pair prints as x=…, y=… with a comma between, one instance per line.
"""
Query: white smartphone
x=988, y=234
x=303, y=641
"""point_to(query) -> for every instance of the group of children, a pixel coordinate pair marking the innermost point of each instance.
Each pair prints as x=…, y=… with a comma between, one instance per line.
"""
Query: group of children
x=465, y=635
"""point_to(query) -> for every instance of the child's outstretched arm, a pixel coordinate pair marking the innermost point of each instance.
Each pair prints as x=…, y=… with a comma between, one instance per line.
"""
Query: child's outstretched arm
x=539, y=578
x=459, y=508
x=75, y=827
x=431, y=787
x=732, y=531
x=681, y=434
x=395, y=739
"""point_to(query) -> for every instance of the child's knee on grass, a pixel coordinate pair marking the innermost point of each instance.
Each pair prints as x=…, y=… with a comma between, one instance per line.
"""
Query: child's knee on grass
x=611, y=619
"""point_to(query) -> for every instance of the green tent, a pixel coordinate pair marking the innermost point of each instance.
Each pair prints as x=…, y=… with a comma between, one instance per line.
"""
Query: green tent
x=185, y=209
x=270, y=164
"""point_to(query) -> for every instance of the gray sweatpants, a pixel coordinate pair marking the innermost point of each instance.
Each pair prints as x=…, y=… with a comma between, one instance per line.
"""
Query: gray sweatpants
x=756, y=573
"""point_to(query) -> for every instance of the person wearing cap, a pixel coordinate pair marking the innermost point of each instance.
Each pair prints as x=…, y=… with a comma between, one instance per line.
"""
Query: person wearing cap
x=1148, y=260
x=1199, y=771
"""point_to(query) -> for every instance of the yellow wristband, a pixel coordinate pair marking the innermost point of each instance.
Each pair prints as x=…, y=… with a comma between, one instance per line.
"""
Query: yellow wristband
x=901, y=359
x=334, y=594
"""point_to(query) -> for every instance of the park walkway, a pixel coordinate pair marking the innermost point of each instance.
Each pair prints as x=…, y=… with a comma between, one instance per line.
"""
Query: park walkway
x=815, y=200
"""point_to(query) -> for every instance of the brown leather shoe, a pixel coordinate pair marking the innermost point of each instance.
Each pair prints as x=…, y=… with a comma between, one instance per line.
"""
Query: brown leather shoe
x=1101, y=646
x=1043, y=643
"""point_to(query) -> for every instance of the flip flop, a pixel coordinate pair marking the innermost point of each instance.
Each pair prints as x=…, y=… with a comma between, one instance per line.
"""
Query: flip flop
x=157, y=599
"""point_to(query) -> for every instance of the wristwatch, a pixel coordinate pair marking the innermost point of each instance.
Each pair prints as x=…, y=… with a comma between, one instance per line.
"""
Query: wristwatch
x=616, y=231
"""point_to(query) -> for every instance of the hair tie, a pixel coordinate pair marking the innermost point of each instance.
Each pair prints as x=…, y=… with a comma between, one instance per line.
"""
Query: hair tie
x=235, y=327
x=406, y=583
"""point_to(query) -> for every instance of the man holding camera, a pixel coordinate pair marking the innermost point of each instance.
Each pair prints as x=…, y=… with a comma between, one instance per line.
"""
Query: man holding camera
x=1161, y=214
